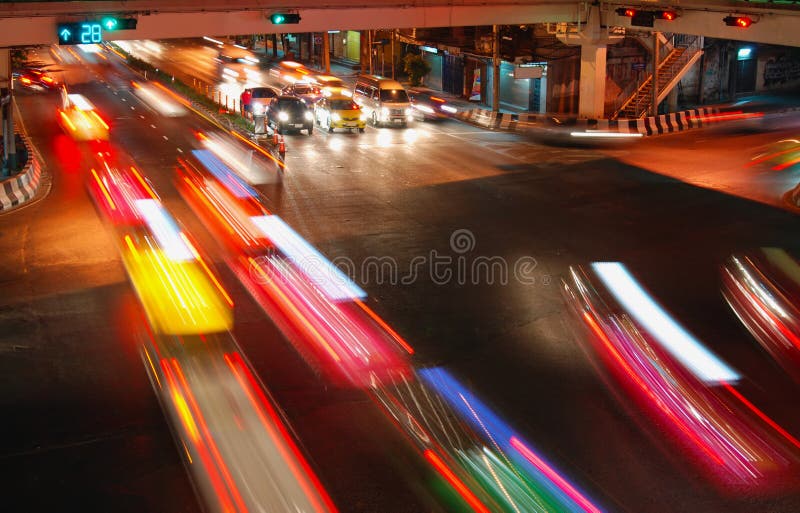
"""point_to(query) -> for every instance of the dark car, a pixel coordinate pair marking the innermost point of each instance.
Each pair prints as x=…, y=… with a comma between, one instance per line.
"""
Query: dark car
x=428, y=106
x=309, y=93
x=288, y=113
x=261, y=97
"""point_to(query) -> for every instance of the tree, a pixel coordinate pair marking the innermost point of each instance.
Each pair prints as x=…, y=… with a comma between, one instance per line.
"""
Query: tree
x=416, y=67
x=19, y=57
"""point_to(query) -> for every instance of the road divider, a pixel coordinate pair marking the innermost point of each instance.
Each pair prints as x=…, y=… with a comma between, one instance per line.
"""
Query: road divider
x=649, y=126
x=201, y=100
x=21, y=188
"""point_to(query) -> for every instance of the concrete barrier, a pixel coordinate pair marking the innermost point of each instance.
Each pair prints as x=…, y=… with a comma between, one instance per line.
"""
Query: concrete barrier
x=653, y=125
x=22, y=187
x=498, y=120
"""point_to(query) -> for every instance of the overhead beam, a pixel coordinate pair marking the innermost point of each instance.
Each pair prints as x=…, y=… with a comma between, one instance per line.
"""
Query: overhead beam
x=160, y=25
x=768, y=27
x=28, y=23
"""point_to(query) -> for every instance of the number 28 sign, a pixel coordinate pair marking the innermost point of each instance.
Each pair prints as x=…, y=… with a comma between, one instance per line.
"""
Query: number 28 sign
x=80, y=33
x=91, y=31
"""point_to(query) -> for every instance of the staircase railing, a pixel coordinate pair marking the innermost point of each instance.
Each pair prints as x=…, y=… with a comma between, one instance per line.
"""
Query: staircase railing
x=692, y=45
x=633, y=101
x=626, y=95
x=667, y=45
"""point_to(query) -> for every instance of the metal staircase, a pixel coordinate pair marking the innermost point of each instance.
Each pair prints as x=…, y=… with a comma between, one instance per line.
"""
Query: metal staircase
x=677, y=57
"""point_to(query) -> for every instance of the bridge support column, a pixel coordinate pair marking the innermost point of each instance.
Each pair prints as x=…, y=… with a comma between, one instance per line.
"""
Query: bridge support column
x=593, y=39
x=9, y=160
x=592, y=90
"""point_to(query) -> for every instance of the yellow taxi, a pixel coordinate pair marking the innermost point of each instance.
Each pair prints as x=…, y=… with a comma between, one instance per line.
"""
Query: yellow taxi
x=331, y=85
x=80, y=120
x=179, y=292
x=339, y=111
x=179, y=296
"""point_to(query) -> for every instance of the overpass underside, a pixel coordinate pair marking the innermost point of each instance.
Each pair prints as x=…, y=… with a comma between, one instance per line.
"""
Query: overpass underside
x=31, y=23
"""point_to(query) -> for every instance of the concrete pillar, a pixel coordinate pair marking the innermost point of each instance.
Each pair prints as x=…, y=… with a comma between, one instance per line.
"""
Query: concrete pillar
x=592, y=91
x=672, y=100
x=9, y=160
x=593, y=38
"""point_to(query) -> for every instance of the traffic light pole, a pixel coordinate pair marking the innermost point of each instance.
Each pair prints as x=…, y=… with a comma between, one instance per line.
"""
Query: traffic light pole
x=495, y=69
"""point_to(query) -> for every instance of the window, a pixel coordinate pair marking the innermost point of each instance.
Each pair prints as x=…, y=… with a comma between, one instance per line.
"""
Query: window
x=343, y=105
x=263, y=92
x=394, y=96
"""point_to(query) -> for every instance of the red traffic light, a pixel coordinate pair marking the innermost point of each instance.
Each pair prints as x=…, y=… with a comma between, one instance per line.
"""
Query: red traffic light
x=630, y=12
x=737, y=21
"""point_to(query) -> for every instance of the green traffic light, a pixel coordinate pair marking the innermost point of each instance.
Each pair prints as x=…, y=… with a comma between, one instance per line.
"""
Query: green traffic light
x=284, y=18
x=110, y=23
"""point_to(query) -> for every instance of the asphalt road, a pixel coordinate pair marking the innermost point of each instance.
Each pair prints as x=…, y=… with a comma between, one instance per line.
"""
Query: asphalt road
x=85, y=428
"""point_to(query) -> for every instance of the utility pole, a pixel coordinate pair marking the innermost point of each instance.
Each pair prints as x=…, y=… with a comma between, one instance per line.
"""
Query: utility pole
x=369, y=46
x=495, y=69
x=326, y=51
x=394, y=34
x=656, y=49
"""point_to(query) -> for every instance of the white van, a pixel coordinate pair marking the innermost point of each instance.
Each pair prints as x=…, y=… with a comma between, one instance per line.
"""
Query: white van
x=383, y=100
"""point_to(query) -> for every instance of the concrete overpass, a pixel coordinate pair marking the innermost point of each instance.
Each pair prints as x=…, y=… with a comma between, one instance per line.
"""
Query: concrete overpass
x=26, y=23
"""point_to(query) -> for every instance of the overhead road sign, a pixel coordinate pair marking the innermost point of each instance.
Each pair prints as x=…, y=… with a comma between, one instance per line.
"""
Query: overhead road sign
x=91, y=31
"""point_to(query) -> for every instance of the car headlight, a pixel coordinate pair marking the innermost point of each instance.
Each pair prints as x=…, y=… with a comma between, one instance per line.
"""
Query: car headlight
x=447, y=108
x=308, y=115
x=336, y=117
x=363, y=117
x=257, y=107
x=409, y=112
x=424, y=108
x=283, y=116
x=384, y=112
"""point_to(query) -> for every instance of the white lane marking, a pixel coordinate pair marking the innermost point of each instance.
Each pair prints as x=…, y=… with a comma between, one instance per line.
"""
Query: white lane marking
x=165, y=137
x=152, y=126
x=180, y=150
x=124, y=100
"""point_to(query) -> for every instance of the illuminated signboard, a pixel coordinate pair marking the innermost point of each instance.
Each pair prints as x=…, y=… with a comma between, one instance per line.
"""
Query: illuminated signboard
x=79, y=33
x=91, y=31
